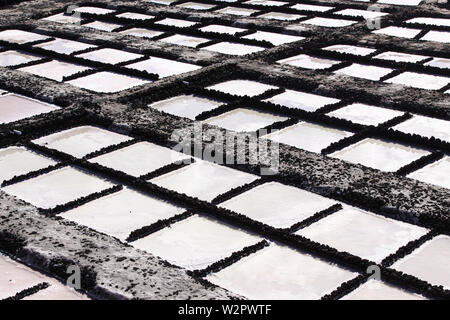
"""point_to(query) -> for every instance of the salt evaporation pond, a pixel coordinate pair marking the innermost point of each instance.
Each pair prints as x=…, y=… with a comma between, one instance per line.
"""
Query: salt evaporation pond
x=163, y=67
x=311, y=7
x=237, y=11
x=400, y=57
x=437, y=173
x=139, y=158
x=274, y=38
x=14, y=107
x=55, y=70
x=102, y=26
x=301, y=100
x=430, y=262
x=401, y=32
x=188, y=106
x=196, y=6
x=20, y=36
x=378, y=290
x=183, y=40
x=108, y=55
x=348, y=49
x=80, y=141
x=107, y=82
x=364, y=71
x=176, y=22
x=134, y=15
x=93, y=10
x=365, y=114
x=281, y=16
x=14, y=58
x=222, y=29
x=64, y=46
x=57, y=187
x=330, y=23
x=143, y=33
x=420, y=80
x=426, y=126
x=196, y=242
x=292, y=204
x=362, y=233
x=122, y=212
x=203, y=180
x=237, y=49
x=437, y=36
x=242, y=87
x=62, y=18
x=278, y=272
x=308, y=62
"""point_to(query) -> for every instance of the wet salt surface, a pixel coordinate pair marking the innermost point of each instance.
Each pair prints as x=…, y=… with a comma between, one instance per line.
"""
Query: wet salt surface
x=430, y=262
x=439, y=63
x=437, y=36
x=310, y=7
x=274, y=38
x=57, y=187
x=301, y=100
x=378, y=290
x=163, y=67
x=420, y=80
x=242, y=87
x=278, y=272
x=364, y=71
x=176, y=22
x=309, y=62
x=437, y=173
x=327, y=22
x=349, y=49
x=196, y=242
x=308, y=136
x=244, y=120
x=281, y=16
x=426, y=126
x=62, y=18
x=398, y=32
x=107, y=82
x=237, y=49
x=93, y=10
x=139, y=158
x=186, y=106
x=108, y=55
x=143, y=33
x=103, y=26
x=362, y=233
x=14, y=58
x=196, y=6
x=378, y=154
x=277, y=205
x=236, y=11
x=54, y=69
x=365, y=114
x=134, y=15
x=14, y=107
x=64, y=46
x=400, y=57
x=222, y=29
x=187, y=41
x=19, y=36
x=109, y=215
x=203, y=180
x=80, y=141
x=15, y=161
x=16, y=277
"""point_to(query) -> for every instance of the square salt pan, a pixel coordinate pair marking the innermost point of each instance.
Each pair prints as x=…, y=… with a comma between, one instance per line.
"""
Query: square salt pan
x=15, y=161
x=330, y=23
x=237, y=49
x=308, y=136
x=139, y=158
x=309, y=62
x=401, y=2
x=64, y=46
x=378, y=290
x=14, y=58
x=237, y=11
x=278, y=272
x=135, y=16
x=142, y=33
x=378, y=154
x=163, y=67
x=366, y=14
x=80, y=141
x=107, y=82
x=109, y=215
x=222, y=29
x=265, y=3
x=14, y=107
x=244, y=120
x=93, y=10
x=203, y=180
x=182, y=40
x=437, y=173
x=301, y=100
x=362, y=234
x=292, y=204
x=439, y=63
x=430, y=21
x=196, y=6
x=430, y=262
x=55, y=70
x=274, y=38
x=112, y=56
x=437, y=36
x=398, y=32
x=186, y=106
x=102, y=26
x=57, y=187
x=20, y=36
x=196, y=242
x=281, y=16
x=365, y=71
x=400, y=57
x=365, y=114
x=242, y=87
x=176, y=23
x=63, y=18
x=343, y=48
x=426, y=126
x=420, y=80
x=310, y=7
